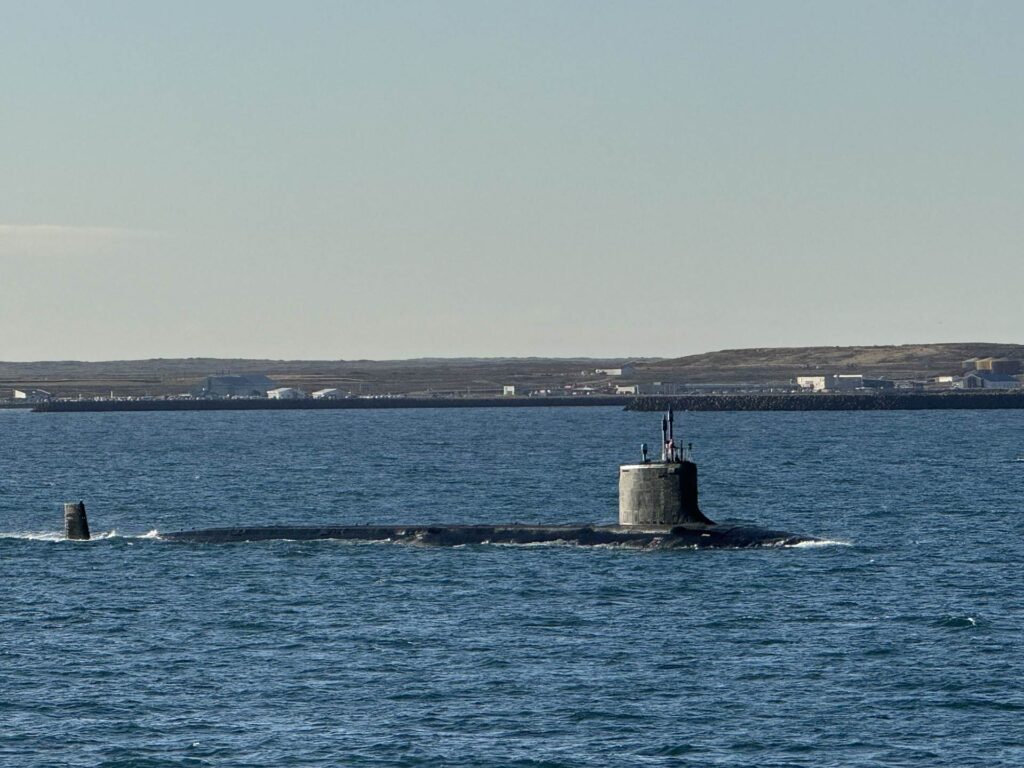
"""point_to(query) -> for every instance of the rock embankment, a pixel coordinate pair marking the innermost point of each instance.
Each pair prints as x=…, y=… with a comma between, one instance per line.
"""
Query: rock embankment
x=831, y=402
x=263, y=404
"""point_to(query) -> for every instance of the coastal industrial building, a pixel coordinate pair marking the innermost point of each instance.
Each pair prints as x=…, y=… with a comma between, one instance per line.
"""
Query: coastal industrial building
x=32, y=395
x=984, y=379
x=234, y=386
x=652, y=388
x=830, y=382
x=626, y=370
x=841, y=382
x=988, y=373
x=285, y=393
x=1001, y=365
x=331, y=393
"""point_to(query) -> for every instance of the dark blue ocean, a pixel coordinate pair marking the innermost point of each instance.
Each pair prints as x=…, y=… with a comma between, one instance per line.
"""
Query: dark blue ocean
x=898, y=643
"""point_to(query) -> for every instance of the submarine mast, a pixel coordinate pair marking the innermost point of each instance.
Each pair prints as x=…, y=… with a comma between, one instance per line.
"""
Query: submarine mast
x=664, y=492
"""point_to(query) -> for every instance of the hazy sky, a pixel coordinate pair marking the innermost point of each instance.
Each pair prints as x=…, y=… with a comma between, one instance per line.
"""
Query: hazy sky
x=404, y=179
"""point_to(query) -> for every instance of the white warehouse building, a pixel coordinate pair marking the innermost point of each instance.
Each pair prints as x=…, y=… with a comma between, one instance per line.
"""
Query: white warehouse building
x=830, y=382
x=32, y=395
x=285, y=393
x=331, y=393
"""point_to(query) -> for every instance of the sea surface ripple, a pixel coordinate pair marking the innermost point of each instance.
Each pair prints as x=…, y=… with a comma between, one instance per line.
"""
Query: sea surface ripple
x=899, y=645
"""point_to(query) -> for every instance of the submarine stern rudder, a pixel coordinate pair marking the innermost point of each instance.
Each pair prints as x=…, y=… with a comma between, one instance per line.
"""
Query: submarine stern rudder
x=76, y=524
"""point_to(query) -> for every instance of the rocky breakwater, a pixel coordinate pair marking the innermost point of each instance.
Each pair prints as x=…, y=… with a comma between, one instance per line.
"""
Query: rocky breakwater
x=831, y=402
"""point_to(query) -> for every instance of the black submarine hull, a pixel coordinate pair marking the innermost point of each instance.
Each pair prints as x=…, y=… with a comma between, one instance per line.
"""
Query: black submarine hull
x=653, y=537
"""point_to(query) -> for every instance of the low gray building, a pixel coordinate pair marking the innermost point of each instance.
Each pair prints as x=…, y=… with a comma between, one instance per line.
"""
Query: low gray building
x=250, y=385
x=989, y=380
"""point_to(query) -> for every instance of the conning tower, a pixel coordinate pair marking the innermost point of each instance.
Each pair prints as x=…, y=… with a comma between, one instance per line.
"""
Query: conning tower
x=661, y=492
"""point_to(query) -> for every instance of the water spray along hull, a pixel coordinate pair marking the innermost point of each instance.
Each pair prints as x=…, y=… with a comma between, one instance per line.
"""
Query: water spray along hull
x=658, y=509
x=654, y=537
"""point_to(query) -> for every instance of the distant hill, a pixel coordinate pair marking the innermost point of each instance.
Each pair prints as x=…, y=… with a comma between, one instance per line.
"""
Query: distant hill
x=779, y=365
x=69, y=378
x=485, y=375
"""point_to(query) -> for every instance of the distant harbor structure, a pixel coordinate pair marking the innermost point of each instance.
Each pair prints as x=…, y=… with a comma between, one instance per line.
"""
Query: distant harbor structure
x=627, y=369
x=991, y=373
x=33, y=395
x=842, y=382
x=251, y=385
x=990, y=380
x=994, y=365
x=330, y=393
x=285, y=393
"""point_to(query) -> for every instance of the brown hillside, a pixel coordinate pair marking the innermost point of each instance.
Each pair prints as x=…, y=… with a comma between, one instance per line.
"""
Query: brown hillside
x=779, y=365
x=480, y=376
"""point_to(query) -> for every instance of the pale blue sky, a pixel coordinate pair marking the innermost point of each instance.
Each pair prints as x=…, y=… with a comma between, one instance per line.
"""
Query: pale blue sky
x=383, y=180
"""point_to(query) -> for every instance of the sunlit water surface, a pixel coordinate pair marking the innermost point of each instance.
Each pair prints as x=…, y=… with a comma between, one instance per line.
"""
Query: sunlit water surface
x=898, y=645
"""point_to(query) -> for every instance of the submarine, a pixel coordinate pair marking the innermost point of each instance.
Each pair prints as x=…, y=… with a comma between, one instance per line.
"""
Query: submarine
x=658, y=509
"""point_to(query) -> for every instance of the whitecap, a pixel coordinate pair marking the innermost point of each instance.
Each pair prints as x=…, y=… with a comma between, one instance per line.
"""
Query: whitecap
x=819, y=543
x=54, y=536
x=33, y=535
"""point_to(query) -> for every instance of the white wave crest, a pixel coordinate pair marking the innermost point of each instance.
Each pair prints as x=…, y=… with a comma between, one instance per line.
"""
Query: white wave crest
x=55, y=536
x=817, y=543
x=33, y=535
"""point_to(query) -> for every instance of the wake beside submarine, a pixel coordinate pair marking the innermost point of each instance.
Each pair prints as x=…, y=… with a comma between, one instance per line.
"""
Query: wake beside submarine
x=658, y=509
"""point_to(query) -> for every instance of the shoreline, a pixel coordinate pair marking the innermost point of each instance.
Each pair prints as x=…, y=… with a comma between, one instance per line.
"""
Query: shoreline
x=737, y=402
x=255, y=404
x=911, y=401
